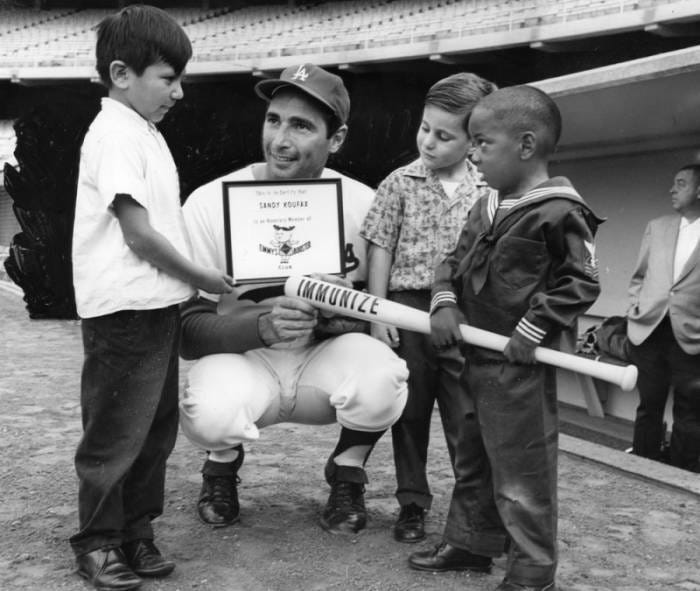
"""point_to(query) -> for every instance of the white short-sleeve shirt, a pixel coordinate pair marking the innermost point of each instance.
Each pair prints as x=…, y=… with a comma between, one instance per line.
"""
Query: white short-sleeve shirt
x=122, y=153
x=204, y=217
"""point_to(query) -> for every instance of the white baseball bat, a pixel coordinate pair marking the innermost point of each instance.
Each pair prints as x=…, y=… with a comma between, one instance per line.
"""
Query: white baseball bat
x=358, y=304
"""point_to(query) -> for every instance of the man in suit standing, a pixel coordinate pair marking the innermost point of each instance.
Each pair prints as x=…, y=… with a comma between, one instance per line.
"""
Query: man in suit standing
x=664, y=326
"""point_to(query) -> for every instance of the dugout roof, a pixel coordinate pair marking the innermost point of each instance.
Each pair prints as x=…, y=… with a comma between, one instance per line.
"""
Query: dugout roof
x=642, y=105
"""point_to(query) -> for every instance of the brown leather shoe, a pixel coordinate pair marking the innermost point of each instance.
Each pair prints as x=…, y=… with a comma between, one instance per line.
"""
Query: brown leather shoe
x=107, y=570
x=445, y=557
x=146, y=560
x=410, y=526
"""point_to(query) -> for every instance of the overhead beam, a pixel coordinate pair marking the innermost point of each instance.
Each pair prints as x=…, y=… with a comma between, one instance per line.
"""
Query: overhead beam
x=30, y=82
x=206, y=78
x=444, y=59
x=453, y=59
x=674, y=29
x=258, y=73
x=354, y=68
x=561, y=46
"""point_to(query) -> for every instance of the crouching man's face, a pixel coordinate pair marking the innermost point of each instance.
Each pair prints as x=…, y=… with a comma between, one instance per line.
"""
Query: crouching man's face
x=295, y=137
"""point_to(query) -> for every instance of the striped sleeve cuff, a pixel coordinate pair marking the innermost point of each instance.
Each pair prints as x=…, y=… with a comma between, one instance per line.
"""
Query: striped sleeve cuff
x=442, y=298
x=530, y=331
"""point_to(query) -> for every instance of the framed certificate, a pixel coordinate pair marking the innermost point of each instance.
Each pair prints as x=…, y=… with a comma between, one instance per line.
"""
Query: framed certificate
x=275, y=229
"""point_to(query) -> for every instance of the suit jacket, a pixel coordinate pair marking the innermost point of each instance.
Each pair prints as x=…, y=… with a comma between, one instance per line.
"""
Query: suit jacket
x=654, y=293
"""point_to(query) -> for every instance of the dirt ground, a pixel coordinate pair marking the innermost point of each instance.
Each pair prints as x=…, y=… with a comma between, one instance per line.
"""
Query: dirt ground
x=617, y=533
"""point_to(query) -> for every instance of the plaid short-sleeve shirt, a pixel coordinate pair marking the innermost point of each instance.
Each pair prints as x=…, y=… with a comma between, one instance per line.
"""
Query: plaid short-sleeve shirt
x=413, y=218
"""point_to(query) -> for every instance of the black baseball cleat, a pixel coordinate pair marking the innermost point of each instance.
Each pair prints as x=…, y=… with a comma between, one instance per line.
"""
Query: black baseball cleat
x=218, y=500
x=445, y=557
x=145, y=559
x=345, y=510
x=410, y=525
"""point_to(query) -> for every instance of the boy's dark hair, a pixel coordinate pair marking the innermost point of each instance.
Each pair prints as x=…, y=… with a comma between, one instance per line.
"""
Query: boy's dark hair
x=141, y=36
x=695, y=169
x=459, y=94
x=526, y=108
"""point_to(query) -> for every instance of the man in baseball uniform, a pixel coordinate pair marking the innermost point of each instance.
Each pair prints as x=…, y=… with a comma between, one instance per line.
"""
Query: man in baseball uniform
x=272, y=358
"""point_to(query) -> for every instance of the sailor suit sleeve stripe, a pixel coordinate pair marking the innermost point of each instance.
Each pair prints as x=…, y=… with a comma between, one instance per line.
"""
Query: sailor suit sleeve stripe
x=530, y=331
x=441, y=299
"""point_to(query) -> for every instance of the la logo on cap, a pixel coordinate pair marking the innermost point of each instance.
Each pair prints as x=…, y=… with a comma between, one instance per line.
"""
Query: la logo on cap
x=300, y=74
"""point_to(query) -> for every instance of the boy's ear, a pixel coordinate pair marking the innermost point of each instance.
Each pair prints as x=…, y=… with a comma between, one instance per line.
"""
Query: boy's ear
x=338, y=138
x=119, y=74
x=528, y=145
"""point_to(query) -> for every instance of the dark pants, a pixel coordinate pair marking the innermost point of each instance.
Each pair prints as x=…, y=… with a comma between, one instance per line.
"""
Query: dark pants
x=662, y=364
x=511, y=492
x=432, y=376
x=129, y=400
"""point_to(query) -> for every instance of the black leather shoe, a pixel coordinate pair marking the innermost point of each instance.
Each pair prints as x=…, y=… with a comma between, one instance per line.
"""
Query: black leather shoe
x=445, y=557
x=345, y=511
x=218, y=500
x=107, y=570
x=145, y=559
x=410, y=526
x=508, y=586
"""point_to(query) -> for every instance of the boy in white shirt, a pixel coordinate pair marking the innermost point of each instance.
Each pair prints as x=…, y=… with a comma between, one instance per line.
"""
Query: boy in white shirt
x=411, y=226
x=131, y=270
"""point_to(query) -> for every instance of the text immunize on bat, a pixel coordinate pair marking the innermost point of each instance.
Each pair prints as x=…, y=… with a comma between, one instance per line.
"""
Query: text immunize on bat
x=335, y=295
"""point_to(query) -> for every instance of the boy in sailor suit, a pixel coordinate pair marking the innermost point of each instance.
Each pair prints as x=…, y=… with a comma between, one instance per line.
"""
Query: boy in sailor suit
x=524, y=267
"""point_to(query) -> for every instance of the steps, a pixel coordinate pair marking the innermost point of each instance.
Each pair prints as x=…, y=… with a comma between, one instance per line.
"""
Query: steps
x=609, y=431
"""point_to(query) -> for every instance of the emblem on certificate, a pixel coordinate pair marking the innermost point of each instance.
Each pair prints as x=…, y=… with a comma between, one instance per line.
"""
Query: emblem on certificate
x=275, y=229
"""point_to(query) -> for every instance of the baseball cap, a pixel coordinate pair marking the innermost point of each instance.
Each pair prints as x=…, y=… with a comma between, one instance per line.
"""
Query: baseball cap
x=314, y=81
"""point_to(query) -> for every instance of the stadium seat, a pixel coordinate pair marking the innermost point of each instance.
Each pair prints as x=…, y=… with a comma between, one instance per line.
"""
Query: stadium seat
x=66, y=36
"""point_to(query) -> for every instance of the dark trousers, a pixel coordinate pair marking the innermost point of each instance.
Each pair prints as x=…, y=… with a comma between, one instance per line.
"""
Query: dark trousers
x=662, y=364
x=129, y=401
x=511, y=487
x=433, y=376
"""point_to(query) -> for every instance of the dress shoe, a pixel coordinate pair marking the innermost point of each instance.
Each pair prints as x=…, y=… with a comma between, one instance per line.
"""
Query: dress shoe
x=107, y=570
x=508, y=586
x=218, y=499
x=345, y=511
x=146, y=560
x=410, y=526
x=445, y=557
